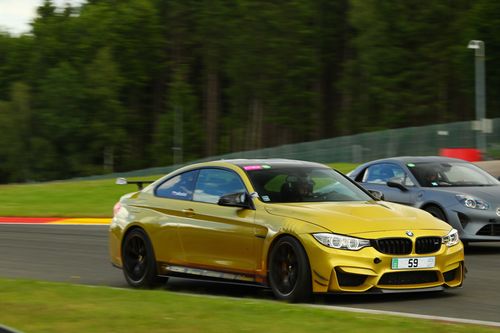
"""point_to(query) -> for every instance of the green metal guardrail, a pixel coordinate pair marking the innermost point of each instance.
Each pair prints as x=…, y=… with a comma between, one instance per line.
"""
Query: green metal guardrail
x=416, y=141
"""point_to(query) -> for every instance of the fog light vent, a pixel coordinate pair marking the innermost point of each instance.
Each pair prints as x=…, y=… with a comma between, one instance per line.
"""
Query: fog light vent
x=489, y=230
x=451, y=275
x=349, y=279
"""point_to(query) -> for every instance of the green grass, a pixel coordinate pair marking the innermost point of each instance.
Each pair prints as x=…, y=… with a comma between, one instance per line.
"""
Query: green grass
x=31, y=306
x=91, y=198
x=343, y=167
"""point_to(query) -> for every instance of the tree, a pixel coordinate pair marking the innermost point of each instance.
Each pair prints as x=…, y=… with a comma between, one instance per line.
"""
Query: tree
x=63, y=120
x=114, y=85
x=211, y=37
x=178, y=131
x=272, y=71
x=16, y=125
x=332, y=36
x=403, y=70
x=104, y=112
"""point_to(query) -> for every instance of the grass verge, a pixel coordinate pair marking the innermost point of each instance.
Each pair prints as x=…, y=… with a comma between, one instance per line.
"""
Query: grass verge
x=343, y=167
x=91, y=198
x=31, y=306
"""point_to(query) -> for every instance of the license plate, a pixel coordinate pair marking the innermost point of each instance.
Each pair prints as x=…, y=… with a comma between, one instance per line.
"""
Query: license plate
x=413, y=263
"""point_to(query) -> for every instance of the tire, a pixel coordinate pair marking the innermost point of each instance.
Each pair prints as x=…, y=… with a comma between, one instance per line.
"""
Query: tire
x=139, y=263
x=289, y=271
x=436, y=212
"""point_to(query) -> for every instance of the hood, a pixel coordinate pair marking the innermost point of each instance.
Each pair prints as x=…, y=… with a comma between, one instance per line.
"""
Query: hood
x=350, y=218
x=489, y=193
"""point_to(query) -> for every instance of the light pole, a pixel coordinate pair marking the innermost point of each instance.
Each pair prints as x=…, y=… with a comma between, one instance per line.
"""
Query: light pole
x=479, y=50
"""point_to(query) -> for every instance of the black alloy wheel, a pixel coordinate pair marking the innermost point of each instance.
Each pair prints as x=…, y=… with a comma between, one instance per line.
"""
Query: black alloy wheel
x=289, y=271
x=139, y=264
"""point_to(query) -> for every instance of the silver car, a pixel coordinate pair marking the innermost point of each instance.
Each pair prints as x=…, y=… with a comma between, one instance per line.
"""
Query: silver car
x=453, y=190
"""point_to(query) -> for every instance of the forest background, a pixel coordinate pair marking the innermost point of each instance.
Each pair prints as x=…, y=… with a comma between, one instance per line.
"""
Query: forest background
x=117, y=85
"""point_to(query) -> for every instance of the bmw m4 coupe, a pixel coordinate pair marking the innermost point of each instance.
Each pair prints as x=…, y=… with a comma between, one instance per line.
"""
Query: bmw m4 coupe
x=296, y=227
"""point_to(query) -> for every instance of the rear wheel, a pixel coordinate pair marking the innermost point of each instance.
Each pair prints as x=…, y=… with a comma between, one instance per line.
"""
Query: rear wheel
x=139, y=263
x=436, y=212
x=289, y=271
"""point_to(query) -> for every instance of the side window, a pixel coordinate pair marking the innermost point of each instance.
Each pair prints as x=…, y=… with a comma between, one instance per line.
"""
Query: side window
x=381, y=173
x=214, y=183
x=402, y=176
x=178, y=187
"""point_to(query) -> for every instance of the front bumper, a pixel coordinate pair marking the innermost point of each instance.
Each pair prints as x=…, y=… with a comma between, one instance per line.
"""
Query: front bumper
x=473, y=224
x=368, y=270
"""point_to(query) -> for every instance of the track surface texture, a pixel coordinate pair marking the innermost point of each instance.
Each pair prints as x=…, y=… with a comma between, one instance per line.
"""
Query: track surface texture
x=79, y=254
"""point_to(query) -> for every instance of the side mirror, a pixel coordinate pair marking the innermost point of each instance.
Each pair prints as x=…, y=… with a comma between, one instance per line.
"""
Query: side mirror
x=240, y=199
x=377, y=194
x=397, y=183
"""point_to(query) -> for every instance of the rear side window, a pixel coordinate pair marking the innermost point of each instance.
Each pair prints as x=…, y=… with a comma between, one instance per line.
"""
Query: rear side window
x=214, y=183
x=178, y=187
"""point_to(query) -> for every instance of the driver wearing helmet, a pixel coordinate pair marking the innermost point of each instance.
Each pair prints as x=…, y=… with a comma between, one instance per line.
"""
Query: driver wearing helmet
x=431, y=177
x=297, y=189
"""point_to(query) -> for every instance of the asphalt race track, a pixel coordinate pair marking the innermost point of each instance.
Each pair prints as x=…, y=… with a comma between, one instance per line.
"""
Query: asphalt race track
x=79, y=254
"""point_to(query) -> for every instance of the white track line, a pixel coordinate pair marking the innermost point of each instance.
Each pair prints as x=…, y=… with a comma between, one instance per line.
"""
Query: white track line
x=408, y=315
x=358, y=310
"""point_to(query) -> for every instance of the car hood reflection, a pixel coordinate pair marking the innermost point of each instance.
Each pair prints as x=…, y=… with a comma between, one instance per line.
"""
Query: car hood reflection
x=352, y=217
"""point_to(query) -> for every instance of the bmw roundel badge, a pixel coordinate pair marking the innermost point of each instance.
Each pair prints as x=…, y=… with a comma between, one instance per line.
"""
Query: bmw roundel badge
x=409, y=233
x=498, y=211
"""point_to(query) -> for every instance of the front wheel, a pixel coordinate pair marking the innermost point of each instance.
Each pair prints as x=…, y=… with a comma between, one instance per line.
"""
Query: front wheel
x=139, y=263
x=436, y=212
x=289, y=271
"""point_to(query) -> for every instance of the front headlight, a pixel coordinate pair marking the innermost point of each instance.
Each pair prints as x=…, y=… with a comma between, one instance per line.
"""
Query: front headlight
x=341, y=242
x=471, y=202
x=451, y=239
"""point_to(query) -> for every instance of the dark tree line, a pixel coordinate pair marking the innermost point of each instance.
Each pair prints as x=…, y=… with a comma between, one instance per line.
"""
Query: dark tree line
x=116, y=85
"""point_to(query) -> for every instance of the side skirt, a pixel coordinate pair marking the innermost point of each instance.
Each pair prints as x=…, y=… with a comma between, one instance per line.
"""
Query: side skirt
x=206, y=274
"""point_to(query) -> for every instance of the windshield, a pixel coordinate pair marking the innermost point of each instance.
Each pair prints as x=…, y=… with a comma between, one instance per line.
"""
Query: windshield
x=303, y=184
x=450, y=174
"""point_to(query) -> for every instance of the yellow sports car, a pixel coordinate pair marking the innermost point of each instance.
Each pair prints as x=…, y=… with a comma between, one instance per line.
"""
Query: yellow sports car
x=297, y=227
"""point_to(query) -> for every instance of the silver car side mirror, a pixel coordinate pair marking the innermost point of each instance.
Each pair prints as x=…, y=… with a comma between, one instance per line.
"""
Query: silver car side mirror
x=378, y=195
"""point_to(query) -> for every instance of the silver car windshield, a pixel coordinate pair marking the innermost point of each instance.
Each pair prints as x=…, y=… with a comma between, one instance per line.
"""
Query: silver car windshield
x=432, y=174
x=303, y=184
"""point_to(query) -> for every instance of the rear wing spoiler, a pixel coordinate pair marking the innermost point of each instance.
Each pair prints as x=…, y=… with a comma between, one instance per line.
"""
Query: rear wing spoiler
x=139, y=183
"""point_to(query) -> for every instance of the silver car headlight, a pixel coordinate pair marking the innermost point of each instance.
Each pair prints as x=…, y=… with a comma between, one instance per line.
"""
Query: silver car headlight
x=471, y=202
x=341, y=242
x=451, y=239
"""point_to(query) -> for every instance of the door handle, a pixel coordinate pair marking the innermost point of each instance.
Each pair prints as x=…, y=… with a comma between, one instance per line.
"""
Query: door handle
x=188, y=212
